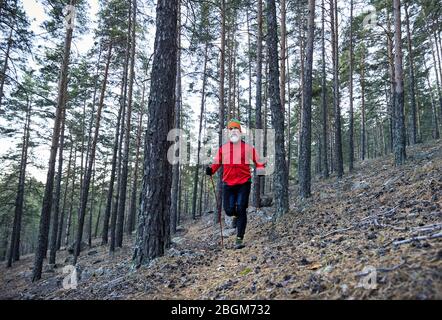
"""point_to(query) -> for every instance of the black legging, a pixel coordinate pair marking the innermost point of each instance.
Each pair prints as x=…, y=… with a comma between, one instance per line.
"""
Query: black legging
x=236, y=201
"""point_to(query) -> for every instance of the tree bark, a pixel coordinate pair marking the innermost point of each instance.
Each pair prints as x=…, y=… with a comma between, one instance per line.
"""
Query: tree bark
x=97, y=224
x=249, y=46
x=56, y=204
x=399, y=126
x=392, y=77
x=414, y=136
x=153, y=234
x=335, y=45
x=363, y=131
x=325, y=172
x=71, y=201
x=174, y=209
x=221, y=123
x=281, y=174
x=351, y=151
x=134, y=196
x=306, y=117
x=258, y=111
x=283, y=54
x=91, y=209
x=65, y=193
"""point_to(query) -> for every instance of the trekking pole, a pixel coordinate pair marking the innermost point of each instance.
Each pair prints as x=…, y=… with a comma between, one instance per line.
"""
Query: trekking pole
x=219, y=212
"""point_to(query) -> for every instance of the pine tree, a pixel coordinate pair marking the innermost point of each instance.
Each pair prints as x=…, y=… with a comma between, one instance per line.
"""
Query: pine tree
x=153, y=234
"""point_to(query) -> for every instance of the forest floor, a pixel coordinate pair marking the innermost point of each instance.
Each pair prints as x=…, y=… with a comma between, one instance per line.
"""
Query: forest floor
x=327, y=247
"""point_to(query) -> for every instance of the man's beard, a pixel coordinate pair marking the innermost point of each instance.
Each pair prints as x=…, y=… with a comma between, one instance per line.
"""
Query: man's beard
x=234, y=138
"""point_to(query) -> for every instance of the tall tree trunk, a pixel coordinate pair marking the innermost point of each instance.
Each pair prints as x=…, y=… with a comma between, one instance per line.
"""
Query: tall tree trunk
x=324, y=101
x=71, y=200
x=363, y=131
x=45, y=217
x=83, y=138
x=180, y=193
x=5, y=66
x=174, y=209
x=1, y=7
x=280, y=176
x=134, y=196
x=200, y=199
x=436, y=134
x=306, y=118
x=91, y=121
x=65, y=193
x=289, y=115
x=125, y=169
x=258, y=111
x=97, y=224
x=221, y=123
x=153, y=234
x=414, y=139
x=439, y=63
x=229, y=73
x=203, y=100
x=301, y=41
x=335, y=48
x=351, y=150
x=438, y=81
x=283, y=54
x=399, y=126
x=91, y=209
x=392, y=77
x=88, y=174
x=114, y=214
x=14, y=251
x=265, y=127
x=56, y=204
x=115, y=151
x=249, y=46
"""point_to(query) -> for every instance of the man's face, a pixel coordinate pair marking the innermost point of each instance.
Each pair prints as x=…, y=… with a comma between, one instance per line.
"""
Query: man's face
x=234, y=135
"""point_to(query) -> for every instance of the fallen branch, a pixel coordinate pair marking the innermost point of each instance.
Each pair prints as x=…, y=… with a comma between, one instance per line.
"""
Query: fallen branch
x=393, y=227
x=337, y=231
x=387, y=213
x=433, y=236
x=430, y=227
x=363, y=274
x=392, y=268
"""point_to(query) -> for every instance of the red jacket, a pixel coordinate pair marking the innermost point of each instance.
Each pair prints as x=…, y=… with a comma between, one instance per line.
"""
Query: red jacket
x=236, y=159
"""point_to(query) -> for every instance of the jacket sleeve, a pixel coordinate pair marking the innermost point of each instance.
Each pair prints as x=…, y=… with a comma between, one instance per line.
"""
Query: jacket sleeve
x=217, y=161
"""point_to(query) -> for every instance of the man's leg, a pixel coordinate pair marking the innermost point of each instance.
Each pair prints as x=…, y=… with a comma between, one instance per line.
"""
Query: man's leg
x=242, y=204
x=229, y=200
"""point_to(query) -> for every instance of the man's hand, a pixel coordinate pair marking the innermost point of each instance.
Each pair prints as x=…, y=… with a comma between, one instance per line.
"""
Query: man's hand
x=209, y=171
x=261, y=172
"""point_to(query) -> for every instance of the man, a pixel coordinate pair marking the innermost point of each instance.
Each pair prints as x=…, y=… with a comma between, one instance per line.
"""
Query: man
x=235, y=158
